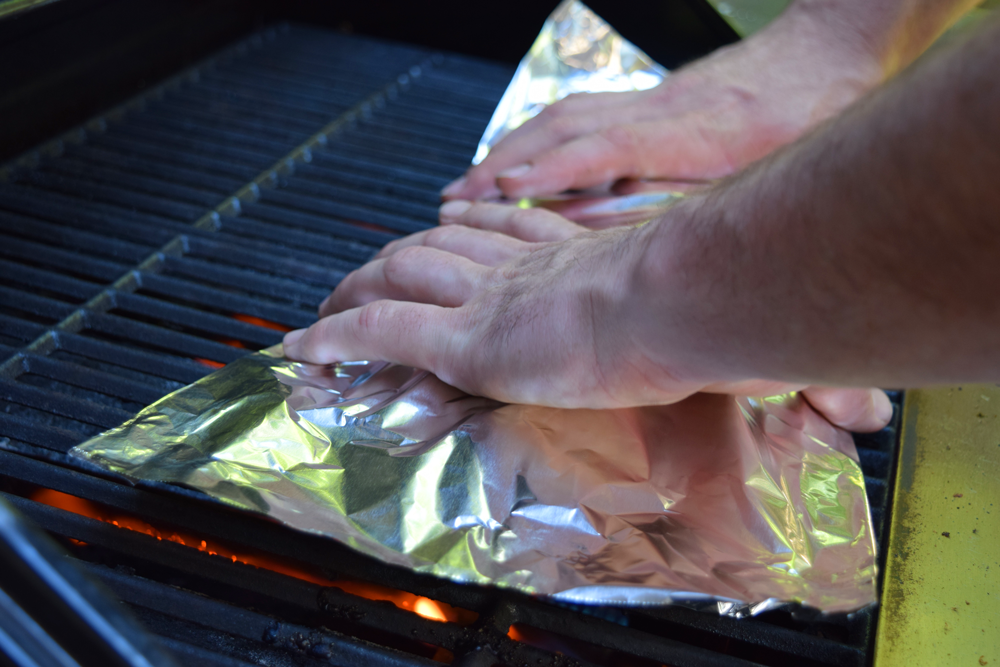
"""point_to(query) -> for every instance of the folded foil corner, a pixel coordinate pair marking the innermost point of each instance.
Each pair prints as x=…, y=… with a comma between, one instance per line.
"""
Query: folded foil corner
x=575, y=52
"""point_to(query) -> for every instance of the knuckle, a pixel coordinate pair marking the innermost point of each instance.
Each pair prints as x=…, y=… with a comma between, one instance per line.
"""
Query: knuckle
x=564, y=127
x=521, y=216
x=388, y=248
x=397, y=266
x=409, y=254
x=554, y=110
x=523, y=222
x=439, y=236
x=370, y=318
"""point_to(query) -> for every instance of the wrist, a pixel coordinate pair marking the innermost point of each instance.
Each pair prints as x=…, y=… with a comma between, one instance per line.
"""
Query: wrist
x=829, y=40
x=883, y=36
x=687, y=306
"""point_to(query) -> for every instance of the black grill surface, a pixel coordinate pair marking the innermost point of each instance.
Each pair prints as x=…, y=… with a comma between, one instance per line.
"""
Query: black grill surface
x=248, y=186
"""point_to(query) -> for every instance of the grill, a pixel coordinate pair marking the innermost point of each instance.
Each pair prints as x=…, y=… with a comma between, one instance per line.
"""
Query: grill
x=195, y=223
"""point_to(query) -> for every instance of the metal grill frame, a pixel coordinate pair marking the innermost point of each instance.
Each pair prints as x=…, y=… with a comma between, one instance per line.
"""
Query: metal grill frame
x=178, y=260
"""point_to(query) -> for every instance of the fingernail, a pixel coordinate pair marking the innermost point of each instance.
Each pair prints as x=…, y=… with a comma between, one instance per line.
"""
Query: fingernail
x=454, y=187
x=883, y=406
x=515, y=172
x=453, y=209
x=292, y=337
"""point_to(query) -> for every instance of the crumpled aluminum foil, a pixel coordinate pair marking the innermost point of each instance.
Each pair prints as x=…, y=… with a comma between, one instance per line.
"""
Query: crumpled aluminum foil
x=597, y=210
x=576, y=52
x=730, y=504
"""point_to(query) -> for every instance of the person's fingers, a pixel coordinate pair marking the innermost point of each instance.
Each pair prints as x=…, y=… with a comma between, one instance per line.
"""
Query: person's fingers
x=534, y=225
x=575, y=113
x=479, y=181
x=622, y=151
x=412, y=334
x=482, y=247
x=474, y=184
x=860, y=410
x=545, y=132
x=421, y=274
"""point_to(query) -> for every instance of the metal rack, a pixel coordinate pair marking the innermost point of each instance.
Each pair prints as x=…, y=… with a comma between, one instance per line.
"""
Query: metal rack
x=184, y=229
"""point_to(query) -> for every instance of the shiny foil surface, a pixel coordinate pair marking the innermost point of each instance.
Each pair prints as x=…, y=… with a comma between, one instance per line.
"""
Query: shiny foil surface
x=576, y=52
x=730, y=504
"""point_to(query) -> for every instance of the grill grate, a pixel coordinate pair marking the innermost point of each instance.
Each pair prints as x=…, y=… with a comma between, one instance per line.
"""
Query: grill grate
x=135, y=253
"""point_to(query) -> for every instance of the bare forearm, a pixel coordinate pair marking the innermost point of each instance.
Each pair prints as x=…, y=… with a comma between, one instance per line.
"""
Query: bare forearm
x=893, y=32
x=866, y=253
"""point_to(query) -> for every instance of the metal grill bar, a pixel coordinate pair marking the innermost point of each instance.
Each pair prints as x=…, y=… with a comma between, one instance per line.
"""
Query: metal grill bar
x=149, y=364
x=33, y=304
x=57, y=258
x=239, y=622
x=29, y=431
x=235, y=303
x=336, y=244
x=173, y=341
x=247, y=281
x=278, y=261
x=172, y=155
x=182, y=110
x=92, y=379
x=37, y=279
x=344, y=210
x=119, y=196
x=239, y=105
x=319, y=193
x=261, y=211
x=101, y=244
x=303, y=595
x=160, y=166
x=59, y=207
x=18, y=329
x=62, y=405
x=158, y=187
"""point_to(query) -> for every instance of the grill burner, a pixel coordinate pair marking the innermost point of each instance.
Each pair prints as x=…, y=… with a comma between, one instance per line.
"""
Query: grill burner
x=199, y=221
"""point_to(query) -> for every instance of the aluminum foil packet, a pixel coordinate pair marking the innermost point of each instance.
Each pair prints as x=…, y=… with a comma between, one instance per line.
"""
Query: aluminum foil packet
x=576, y=52
x=730, y=504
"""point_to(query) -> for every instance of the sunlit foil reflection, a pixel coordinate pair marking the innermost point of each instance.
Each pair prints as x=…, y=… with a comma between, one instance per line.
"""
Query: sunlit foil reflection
x=732, y=505
x=575, y=52
x=422, y=606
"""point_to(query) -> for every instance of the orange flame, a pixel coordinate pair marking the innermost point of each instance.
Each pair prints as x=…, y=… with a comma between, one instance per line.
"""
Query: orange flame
x=424, y=607
x=231, y=342
x=258, y=322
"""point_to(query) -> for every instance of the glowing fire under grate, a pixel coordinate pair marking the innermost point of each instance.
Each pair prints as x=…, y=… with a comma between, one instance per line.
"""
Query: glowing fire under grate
x=422, y=606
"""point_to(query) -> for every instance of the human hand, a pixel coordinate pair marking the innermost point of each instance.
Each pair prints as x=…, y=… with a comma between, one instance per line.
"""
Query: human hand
x=524, y=306
x=704, y=121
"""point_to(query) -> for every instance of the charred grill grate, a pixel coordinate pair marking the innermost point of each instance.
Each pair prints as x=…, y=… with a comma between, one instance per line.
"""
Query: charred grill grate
x=171, y=236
